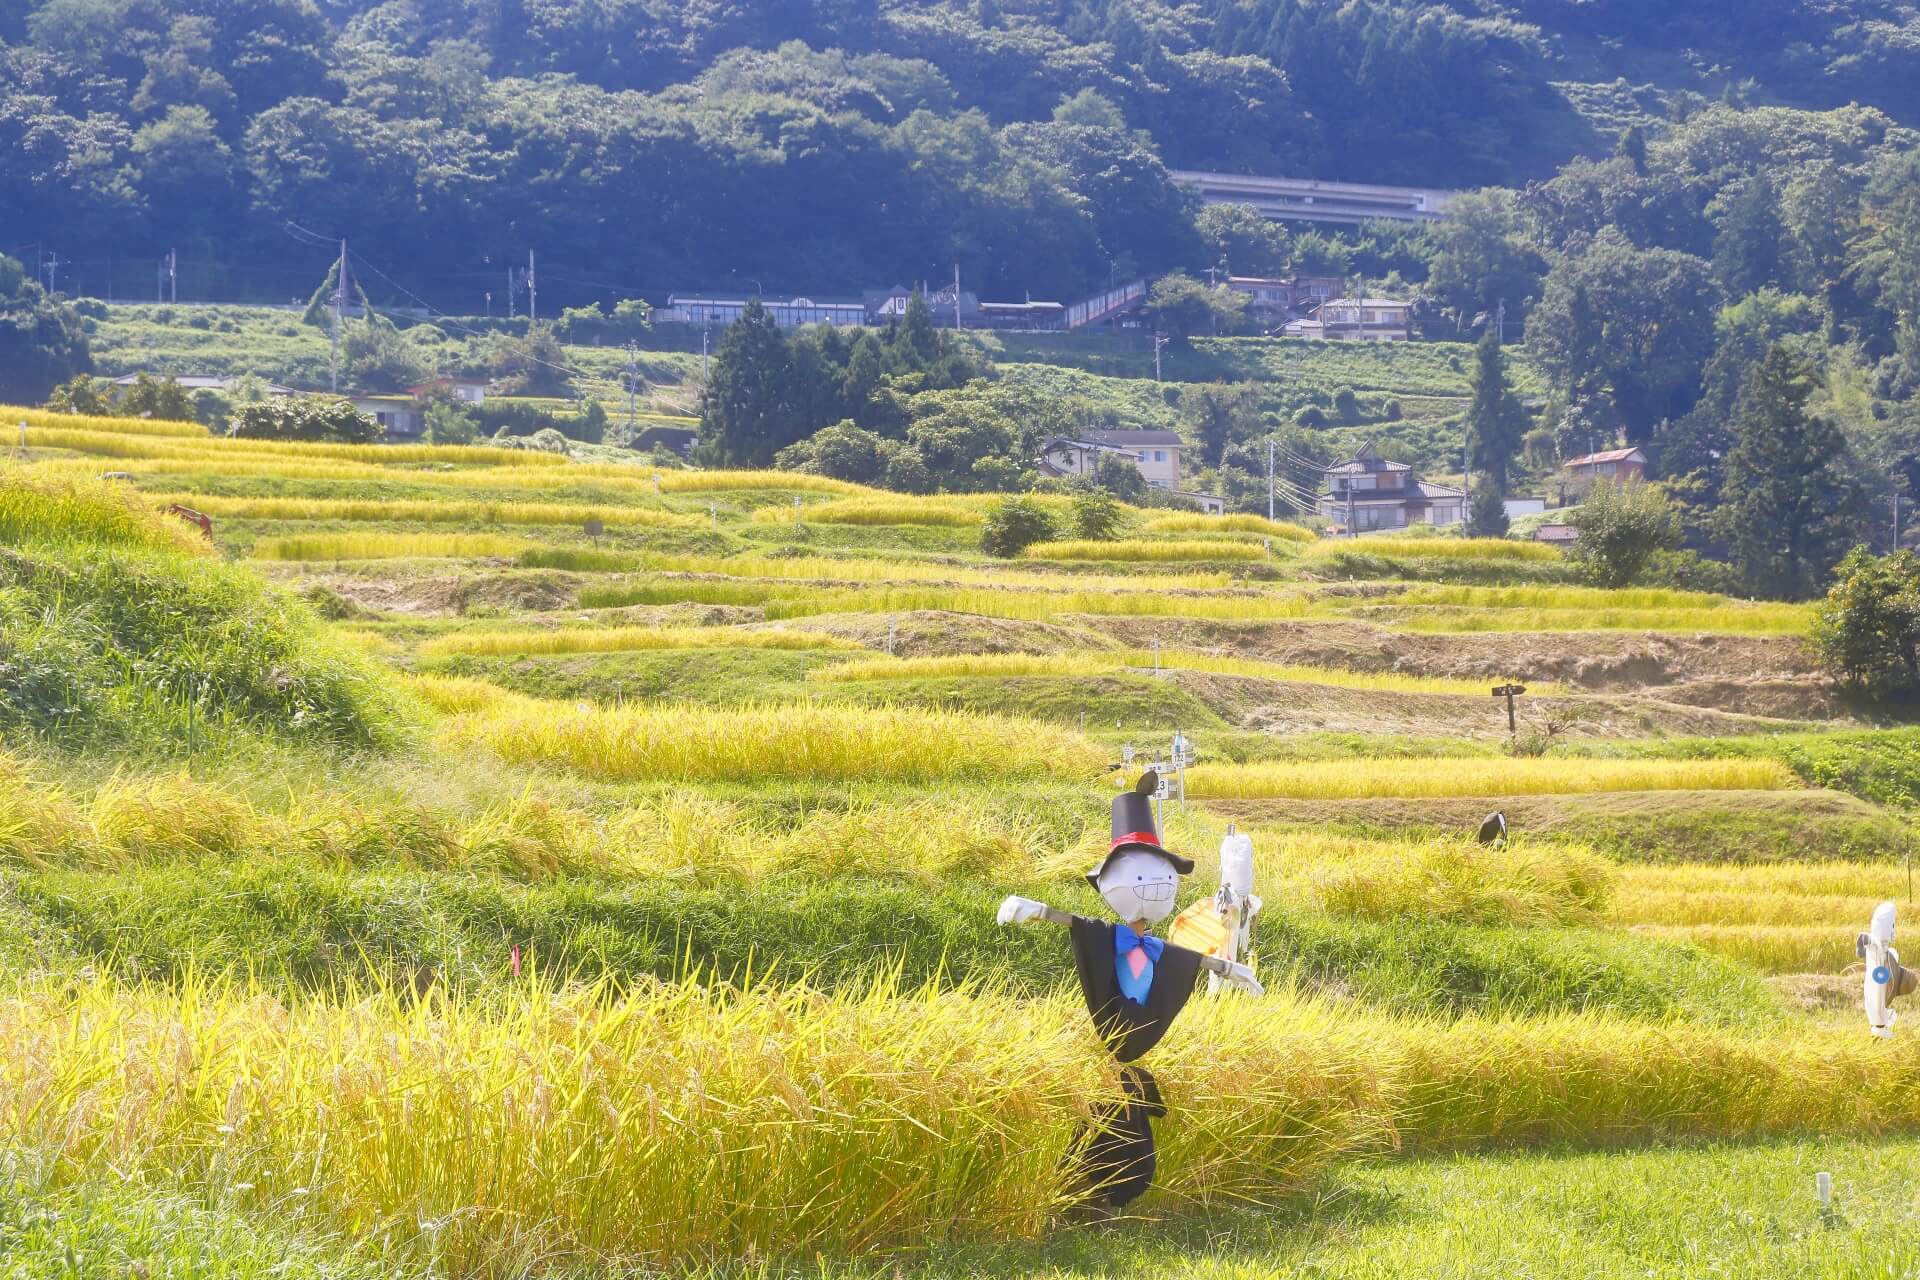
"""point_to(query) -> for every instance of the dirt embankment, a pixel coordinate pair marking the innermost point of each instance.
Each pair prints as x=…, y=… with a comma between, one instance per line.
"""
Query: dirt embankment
x=1590, y=659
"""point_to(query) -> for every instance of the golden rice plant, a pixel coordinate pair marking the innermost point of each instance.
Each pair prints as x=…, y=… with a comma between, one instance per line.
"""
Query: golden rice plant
x=387, y=546
x=111, y=443
x=875, y=511
x=667, y=1127
x=1408, y=548
x=1583, y=1078
x=817, y=743
x=41, y=511
x=558, y=640
x=1495, y=776
x=796, y=600
x=724, y=481
x=898, y=569
x=1771, y=948
x=367, y=641
x=1193, y=522
x=12, y=415
x=1082, y=664
x=1559, y=597
x=464, y=512
x=1439, y=878
x=1135, y=550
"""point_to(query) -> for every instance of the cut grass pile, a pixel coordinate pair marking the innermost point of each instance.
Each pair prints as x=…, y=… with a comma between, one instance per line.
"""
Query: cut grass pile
x=387, y=546
x=1408, y=548
x=813, y=743
x=477, y=513
x=1359, y=779
x=1193, y=522
x=560, y=640
x=1022, y=665
x=36, y=512
x=1137, y=550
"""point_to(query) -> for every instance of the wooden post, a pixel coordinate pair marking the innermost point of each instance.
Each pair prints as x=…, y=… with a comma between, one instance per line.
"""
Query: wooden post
x=1510, y=692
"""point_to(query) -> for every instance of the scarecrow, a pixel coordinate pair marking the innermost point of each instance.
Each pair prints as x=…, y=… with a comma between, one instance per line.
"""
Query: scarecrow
x=1135, y=986
x=1886, y=978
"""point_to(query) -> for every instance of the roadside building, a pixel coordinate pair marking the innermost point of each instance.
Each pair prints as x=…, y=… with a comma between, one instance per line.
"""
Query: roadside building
x=1359, y=320
x=1275, y=300
x=402, y=416
x=1617, y=466
x=1155, y=453
x=1369, y=494
x=787, y=313
x=1557, y=535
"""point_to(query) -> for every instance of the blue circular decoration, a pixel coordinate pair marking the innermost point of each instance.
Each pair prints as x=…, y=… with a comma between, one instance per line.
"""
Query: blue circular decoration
x=1883, y=975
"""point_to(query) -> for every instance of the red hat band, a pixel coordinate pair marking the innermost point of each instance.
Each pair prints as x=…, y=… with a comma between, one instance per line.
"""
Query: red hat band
x=1134, y=837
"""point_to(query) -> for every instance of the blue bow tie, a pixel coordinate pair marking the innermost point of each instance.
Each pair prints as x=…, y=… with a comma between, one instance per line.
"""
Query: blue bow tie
x=1134, y=986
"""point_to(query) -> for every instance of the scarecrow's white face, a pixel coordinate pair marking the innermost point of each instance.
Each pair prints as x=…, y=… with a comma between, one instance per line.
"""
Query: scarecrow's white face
x=1139, y=885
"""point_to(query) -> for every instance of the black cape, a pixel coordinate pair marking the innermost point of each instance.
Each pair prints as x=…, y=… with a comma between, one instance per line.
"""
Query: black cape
x=1130, y=1029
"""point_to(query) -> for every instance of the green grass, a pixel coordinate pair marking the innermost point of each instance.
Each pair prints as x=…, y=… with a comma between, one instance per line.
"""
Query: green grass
x=1684, y=1212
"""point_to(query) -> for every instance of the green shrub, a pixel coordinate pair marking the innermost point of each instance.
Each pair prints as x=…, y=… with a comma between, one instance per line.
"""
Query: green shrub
x=1014, y=524
x=1867, y=632
x=302, y=418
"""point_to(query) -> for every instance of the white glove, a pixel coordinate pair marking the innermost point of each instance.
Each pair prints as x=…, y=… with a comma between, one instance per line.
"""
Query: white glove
x=1018, y=910
x=1240, y=978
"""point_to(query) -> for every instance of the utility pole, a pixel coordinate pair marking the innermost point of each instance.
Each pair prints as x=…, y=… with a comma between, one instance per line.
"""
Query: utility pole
x=53, y=272
x=633, y=381
x=1269, y=477
x=704, y=331
x=533, y=294
x=510, y=294
x=1500, y=323
x=1159, y=344
x=1896, y=519
x=173, y=275
x=956, y=297
x=339, y=306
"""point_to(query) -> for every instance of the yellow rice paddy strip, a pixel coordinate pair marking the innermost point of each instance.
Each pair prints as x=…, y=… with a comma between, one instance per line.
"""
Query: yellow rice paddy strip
x=1193, y=522
x=108, y=443
x=555, y=640
x=1360, y=779
x=13, y=415
x=1133, y=550
x=1756, y=619
x=1397, y=548
x=876, y=511
x=723, y=481
x=895, y=569
x=810, y=743
x=425, y=511
x=1015, y=665
x=1771, y=948
x=388, y=546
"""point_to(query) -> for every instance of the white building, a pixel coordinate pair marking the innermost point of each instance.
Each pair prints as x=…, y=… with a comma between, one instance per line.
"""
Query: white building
x=1155, y=453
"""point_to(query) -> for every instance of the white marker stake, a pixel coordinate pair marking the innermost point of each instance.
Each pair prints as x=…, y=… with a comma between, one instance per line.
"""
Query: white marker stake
x=1823, y=1187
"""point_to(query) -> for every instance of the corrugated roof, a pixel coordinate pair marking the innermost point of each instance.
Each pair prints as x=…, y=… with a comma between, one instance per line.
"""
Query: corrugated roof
x=1432, y=490
x=1606, y=455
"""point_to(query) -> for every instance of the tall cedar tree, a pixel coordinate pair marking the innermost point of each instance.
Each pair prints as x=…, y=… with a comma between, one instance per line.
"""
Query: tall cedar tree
x=1496, y=420
x=1487, y=517
x=746, y=412
x=1791, y=508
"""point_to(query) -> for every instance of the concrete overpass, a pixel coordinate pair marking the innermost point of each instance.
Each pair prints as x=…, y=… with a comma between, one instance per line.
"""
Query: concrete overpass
x=1308, y=200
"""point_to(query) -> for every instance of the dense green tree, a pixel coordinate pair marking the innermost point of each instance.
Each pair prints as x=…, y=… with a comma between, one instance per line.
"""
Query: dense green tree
x=1013, y=525
x=1483, y=259
x=1747, y=250
x=1182, y=307
x=449, y=422
x=1867, y=630
x=1096, y=515
x=1496, y=420
x=84, y=395
x=1790, y=506
x=1487, y=514
x=1632, y=326
x=305, y=418
x=42, y=343
x=1623, y=527
x=1241, y=240
x=746, y=410
x=151, y=397
x=1220, y=415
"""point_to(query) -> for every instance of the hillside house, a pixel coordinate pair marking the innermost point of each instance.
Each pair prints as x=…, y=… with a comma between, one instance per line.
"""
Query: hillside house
x=191, y=383
x=1358, y=320
x=1155, y=453
x=1274, y=300
x=1369, y=494
x=1616, y=466
x=402, y=416
x=788, y=313
x=463, y=390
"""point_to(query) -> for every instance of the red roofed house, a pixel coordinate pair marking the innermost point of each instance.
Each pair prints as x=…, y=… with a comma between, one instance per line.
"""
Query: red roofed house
x=1615, y=465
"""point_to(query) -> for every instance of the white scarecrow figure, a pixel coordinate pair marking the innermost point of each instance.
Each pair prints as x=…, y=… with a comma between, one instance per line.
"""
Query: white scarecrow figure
x=1886, y=979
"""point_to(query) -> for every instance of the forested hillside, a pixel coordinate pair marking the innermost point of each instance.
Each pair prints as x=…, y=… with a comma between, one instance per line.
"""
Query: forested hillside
x=656, y=145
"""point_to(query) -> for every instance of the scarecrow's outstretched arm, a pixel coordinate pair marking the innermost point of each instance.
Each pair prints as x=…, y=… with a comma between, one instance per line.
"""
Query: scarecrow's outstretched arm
x=1015, y=909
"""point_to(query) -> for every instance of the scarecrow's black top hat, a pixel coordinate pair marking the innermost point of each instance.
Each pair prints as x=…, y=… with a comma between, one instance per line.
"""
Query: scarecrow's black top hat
x=1133, y=828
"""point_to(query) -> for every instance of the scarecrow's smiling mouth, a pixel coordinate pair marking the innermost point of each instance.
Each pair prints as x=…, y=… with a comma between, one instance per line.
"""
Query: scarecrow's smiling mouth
x=1153, y=890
